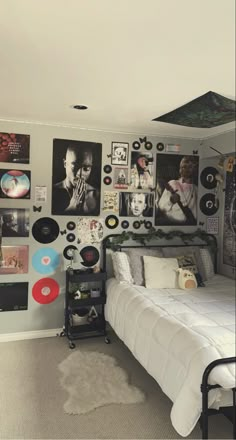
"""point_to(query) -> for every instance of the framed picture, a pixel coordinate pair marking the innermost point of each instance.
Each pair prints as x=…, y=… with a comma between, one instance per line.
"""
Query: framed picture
x=119, y=153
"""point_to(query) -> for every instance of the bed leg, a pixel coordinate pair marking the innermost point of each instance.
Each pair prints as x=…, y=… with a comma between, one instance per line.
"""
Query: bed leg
x=204, y=415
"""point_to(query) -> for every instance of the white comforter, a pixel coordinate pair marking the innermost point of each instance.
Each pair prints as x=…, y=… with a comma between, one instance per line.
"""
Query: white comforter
x=175, y=334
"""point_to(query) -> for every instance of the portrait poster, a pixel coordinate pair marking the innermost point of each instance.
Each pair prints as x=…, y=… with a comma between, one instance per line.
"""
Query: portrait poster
x=15, y=184
x=76, y=177
x=229, y=235
x=13, y=296
x=121, y=178
x=14, y=260
x=119, y=153
x=14, y=148
x=134, y=204
x=141, y=173
x=176, y=190
x=15, y=222
x=111, y=201
x=90, y=230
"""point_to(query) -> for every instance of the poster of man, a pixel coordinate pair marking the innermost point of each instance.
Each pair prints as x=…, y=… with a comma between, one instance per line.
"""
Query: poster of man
x=141, y=173
x=76, y=177
x=176, y=189
x=134, y=204
x=15, y=222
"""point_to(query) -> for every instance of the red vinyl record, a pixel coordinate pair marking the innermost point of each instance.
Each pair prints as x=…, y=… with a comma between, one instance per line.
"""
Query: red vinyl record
x=45, y=290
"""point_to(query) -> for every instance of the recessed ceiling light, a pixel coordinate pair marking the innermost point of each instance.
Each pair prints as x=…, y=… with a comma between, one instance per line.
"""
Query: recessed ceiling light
x=80, y=107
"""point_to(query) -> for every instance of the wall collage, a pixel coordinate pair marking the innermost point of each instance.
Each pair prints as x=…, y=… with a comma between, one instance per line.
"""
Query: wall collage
x=144, y=184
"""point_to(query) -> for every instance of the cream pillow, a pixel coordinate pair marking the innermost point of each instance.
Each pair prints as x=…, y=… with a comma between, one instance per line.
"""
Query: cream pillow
x=161, y=273
x=121, y=267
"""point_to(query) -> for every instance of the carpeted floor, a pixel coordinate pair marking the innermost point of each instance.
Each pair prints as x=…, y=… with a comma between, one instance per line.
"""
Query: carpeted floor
x=31, y=398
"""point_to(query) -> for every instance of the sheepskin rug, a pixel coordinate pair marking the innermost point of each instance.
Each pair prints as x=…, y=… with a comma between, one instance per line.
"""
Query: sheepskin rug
x=94, y=379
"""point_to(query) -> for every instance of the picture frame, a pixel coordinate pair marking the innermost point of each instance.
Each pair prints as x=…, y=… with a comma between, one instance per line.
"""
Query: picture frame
x=119, y=153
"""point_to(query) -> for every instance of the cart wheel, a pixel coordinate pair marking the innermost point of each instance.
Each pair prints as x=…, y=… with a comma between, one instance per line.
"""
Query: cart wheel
x=61, y=334
x=107, y=340
x=71, y=345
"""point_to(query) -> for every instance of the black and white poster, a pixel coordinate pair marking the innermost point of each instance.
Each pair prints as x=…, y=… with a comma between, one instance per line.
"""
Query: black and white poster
x=134, y=204
x=141, y=173
x=76, y=177
x=13, y=296
x=119, y=153
x=229, y=240
x=15, y=222
x=176, y=189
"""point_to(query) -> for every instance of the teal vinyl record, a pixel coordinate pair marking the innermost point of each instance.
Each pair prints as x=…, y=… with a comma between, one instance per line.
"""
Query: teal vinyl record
x=45, y=260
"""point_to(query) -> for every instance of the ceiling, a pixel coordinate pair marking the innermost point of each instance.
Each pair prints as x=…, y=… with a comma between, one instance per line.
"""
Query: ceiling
x=129, y=61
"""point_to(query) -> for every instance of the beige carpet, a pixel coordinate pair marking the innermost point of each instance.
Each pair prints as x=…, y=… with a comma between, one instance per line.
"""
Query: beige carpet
x=31, y=399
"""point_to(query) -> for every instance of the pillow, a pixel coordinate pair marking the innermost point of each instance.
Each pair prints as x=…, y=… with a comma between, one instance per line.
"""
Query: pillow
x=186, y=279
x=121, y=267
x=207, y=263
x=136, y=262
x=160, y=273
x=186, y=250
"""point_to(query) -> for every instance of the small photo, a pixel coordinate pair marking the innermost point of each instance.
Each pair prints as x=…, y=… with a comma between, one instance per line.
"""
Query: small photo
x=141, y=173
x=14, y=260
x=133, y=204
x=120, y=178
x=15, y=222
x=111, y=201
x=119, y=153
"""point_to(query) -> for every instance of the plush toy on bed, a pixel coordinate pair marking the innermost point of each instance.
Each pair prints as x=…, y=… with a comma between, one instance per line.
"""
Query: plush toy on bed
x=187, y=279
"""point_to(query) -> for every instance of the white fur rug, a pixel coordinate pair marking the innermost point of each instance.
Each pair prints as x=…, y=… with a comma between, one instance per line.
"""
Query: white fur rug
x=94, y=379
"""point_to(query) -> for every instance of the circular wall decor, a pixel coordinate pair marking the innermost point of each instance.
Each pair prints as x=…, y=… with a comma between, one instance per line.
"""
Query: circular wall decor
x=107, y=180
x=107, y=169
x=15, y=184
x=136, y=224
x=147, y=224
x=111, y=221
x=209, y=204
x=70, y=237
x=45, y=260
x=148, y=145
x=136, y=145
x=45, y=230
x=125, y=224
x=208, y=177
x=160, y=146
x=90, y=256
x=45, y=291
x=71, y=226
x=68, y=251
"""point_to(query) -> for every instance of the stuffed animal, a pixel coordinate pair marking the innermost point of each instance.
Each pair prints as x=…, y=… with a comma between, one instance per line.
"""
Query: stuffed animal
x=187, y=279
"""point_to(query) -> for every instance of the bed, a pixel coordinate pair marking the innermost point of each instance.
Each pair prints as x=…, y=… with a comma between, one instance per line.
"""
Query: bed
x=185, y=339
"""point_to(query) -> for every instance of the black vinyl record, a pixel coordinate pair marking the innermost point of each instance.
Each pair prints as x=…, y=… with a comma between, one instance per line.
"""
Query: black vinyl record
x=71, y=226
x=136, y=224
x=160, y=146
x=68, y=251
x=70, y=237
x=209, y=204
x=45, y=230
x=111, y=221
x=208, y=177
x=147, y=224
x=136, y=145
x=125, y=224
x=148, y=145
x=107, y=169
x=90, y=256
x=107, y=180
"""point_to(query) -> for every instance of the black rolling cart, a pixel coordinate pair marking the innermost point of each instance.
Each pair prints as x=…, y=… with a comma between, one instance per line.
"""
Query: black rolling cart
x=84, y=307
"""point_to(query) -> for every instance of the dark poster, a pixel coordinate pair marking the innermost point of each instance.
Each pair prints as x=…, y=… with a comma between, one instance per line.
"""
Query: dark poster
x=176, y=190
x=229, y=243
x=15, y=222
x=15, y=184
x=14, y=147
x=13, y=296
x=76, y=177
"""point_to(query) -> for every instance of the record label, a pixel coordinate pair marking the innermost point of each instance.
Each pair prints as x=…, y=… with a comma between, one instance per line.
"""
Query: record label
x=209, y=204
x=45, y=291
x=208, y=177
x=15, y=184
x=45, y=260
x=111, y=221
x=68, y=252
x=45, y=230
x=90, y=256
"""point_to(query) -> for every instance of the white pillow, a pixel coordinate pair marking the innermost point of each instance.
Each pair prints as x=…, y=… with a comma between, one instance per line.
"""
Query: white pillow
x=121, y=267
x=207, y=263
x=161, y=273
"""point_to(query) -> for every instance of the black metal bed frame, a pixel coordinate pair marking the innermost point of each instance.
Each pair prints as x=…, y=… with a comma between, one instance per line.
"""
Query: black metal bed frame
x=229, y=411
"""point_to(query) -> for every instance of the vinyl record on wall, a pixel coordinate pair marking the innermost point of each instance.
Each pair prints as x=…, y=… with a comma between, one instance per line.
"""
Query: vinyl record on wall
x=111, y=221
x=107, y=169
x=71, y=226
x=68, y=251
x=107, y=180
x=147, y=224
x=208, y=177
x=45, y=291
x=89, y=255
x=125, y=224
x=160, y=146
x=45, y=260
x=148, y=145
x=136, y=145
x=209, y=204
x=45, y=230
x=70, y=237
x=136, y=224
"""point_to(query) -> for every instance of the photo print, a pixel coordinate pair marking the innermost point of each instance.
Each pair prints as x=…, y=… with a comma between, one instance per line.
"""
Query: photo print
x=111, y=201
x=15, y=222
x=133, y=204
x=13, y=297
x=120, y=178
x=14, y=147
x=119, y=153
x=15, y=184
x=14, y=260
x=176, y=189
x=229, y=235
x=76, y=177
x=141, y=173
